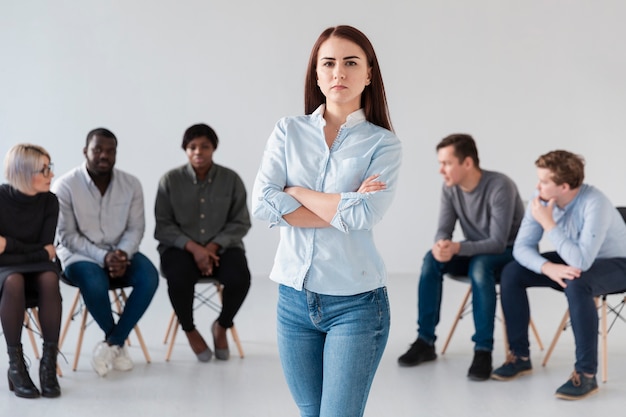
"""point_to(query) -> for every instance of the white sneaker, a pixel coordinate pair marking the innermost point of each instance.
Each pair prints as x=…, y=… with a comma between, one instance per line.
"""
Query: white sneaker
x=121, y=358
x=102, y=359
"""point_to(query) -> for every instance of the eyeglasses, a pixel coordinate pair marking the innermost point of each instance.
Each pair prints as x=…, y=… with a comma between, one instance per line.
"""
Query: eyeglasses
x=47, y=170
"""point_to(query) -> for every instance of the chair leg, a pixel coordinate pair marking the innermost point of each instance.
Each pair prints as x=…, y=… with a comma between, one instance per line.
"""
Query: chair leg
x=174, y=330
x=559, y=330
x=458, y=317
x=70, y=315
x=169, y=327
x=31, y=336
x=235, y=335
x=531, y=323
x=144, y=348
x=81, y=334
x=603, y=336
x=119, y=306
x=201, y=298
x=505, y=336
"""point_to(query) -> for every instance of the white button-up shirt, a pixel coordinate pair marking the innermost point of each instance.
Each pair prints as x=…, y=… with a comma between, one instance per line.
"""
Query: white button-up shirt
x=92, y=224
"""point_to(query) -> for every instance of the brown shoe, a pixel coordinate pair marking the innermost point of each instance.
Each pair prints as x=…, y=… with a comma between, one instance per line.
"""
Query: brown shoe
x=220, y=341
x=199, y=346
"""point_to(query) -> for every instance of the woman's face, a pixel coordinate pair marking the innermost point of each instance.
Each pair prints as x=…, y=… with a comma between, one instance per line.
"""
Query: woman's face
x=342, y=72
x=40, y=181
x=200, y=153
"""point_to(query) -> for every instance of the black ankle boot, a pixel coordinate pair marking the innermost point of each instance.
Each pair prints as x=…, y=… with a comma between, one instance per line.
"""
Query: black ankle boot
x=48, y=371
x=19, y=380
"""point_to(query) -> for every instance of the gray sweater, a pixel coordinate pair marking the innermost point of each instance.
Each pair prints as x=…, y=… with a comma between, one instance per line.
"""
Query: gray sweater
x=489, y=215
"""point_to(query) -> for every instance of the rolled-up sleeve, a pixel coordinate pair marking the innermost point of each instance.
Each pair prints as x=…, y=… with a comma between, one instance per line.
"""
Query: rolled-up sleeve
x=526, y=247
x=361, y=211
x=69, y=234
x=269, y=201
x=582, y=251
x=136, y=222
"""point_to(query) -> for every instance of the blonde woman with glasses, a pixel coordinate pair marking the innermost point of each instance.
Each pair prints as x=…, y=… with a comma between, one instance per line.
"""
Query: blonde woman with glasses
x=28, y=220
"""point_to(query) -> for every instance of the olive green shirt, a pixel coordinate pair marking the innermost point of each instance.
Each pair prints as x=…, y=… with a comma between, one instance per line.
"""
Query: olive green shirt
x=211, y=210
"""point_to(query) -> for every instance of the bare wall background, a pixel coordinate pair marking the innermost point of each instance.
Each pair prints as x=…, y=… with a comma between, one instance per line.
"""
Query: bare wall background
x=523, y=77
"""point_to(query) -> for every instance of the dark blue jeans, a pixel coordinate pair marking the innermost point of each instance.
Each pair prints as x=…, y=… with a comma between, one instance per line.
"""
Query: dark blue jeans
x=483, y=270
x=605, y=276
x=93, y=282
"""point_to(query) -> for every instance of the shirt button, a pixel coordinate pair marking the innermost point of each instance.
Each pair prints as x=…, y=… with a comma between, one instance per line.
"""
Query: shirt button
x=202, y=200
x=202, y=216
x=202, y=231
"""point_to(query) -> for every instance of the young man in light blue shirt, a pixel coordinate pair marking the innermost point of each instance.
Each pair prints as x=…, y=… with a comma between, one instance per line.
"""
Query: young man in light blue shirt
x=589, y=237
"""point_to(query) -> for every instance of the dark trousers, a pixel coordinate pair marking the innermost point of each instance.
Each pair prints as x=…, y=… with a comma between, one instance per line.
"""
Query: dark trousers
x=182, y=274
x=605, y=276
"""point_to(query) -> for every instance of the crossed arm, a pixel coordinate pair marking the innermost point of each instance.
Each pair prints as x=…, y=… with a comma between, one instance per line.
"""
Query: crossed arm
x=318, y=208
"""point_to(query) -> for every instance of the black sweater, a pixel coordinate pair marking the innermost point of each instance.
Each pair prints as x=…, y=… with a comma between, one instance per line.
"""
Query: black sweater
x=28, y=223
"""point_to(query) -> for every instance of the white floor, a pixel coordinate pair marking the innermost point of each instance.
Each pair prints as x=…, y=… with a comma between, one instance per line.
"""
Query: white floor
x=254, y=386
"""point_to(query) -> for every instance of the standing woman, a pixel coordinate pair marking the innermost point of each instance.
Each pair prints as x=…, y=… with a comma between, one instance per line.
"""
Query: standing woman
x=326, y=179
x=28, y=220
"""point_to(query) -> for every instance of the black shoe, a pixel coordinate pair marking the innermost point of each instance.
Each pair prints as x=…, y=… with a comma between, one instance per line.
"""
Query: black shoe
x=48, y=371
x=419, y=352
x=19, y=379
x=481, y=366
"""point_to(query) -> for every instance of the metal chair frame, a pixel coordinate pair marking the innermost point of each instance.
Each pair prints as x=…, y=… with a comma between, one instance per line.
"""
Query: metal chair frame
x=78, y=308
x=466, y=308
x=205, y=297
x=604, y=308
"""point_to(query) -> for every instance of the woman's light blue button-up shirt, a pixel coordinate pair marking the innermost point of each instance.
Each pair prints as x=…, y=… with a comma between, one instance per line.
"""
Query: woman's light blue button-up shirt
x=341, y=259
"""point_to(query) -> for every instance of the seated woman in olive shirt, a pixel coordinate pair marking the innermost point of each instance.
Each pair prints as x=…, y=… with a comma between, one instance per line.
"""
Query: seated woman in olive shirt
x=201, y=219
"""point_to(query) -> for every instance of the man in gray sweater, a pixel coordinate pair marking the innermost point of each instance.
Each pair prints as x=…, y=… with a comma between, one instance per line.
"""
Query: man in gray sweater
x=490, y=210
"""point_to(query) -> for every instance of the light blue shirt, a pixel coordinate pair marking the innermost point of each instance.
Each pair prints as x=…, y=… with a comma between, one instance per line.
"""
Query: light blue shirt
x=92, y=224
x=341, y=259
x=588, y=228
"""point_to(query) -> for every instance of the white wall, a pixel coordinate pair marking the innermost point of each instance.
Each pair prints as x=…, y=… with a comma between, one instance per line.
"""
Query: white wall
x=524, y=77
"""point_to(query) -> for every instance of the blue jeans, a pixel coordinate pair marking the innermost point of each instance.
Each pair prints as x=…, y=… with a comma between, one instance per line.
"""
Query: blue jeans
x=604, y=276
x=330, y=348
x=93, y=282
x=483, y=270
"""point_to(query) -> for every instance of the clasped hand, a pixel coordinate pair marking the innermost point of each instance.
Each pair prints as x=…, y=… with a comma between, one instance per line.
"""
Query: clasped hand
x=443, y=250
x=206, y=257
x=116, y=262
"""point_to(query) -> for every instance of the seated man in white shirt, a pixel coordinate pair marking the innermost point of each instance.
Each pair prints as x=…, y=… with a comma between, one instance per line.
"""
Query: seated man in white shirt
x=101, y=223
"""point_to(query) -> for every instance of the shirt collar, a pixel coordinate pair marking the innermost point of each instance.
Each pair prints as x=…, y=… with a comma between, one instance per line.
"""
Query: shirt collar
x=353, y=118
x=568, y=206
x=85, y=173
x=192, y=174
